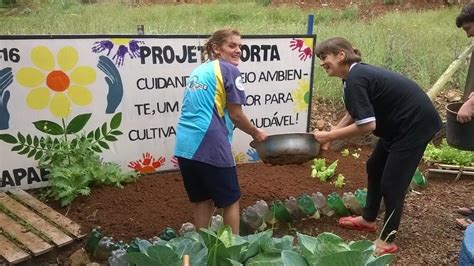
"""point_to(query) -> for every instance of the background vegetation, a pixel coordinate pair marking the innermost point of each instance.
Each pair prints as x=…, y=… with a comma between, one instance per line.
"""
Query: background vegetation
x=420, y=45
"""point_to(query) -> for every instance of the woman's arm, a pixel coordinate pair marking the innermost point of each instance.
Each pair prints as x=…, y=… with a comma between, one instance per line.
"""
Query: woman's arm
x=466, y=111
x=241, y=121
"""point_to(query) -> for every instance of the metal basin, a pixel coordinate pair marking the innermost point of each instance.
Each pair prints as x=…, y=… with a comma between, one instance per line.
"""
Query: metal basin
x=288, y=148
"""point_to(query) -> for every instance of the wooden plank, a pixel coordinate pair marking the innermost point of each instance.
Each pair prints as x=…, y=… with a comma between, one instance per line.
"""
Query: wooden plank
x=31, y=241
x=449, y=166
x=443, y=171
x=57, y=236
x=11, y=252
x=54, y=216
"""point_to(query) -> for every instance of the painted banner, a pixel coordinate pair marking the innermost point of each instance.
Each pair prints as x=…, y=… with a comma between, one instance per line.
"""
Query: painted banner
x=125, y=92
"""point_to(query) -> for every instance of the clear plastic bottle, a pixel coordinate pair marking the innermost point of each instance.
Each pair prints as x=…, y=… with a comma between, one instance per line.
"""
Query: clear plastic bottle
x=321, y=204
x=104, y=248
x=335, y=202
x=217, y=222
x=252, y=219
x=118, y=257
x=186, y=228
x=263, y=210
x=307, y=207
x=291, y=205
x=351, y=203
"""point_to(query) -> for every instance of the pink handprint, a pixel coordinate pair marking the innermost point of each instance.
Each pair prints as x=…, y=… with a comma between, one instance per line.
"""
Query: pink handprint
x=137, y=166
x=158, y=163
x=305, y=54
x=174, y=161
x=296, y=44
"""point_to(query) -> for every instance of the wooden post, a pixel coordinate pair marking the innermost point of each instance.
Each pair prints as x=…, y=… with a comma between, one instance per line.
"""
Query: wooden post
x=446, y=76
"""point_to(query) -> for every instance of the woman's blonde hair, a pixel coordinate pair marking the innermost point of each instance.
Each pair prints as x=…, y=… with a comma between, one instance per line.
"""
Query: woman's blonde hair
x=336, y=45
x=218, y=38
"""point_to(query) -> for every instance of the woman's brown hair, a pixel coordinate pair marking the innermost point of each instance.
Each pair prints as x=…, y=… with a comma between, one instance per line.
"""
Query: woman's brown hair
x=336, y=45
x=218, y=38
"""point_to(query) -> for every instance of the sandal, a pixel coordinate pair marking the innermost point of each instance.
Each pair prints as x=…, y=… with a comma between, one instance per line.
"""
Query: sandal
x=465, y=222
x=388, y=250
x=465, y=210
x=351, y=223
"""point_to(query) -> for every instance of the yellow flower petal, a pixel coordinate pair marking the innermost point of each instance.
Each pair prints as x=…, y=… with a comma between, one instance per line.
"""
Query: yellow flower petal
x=83, y=75
x=43, y=58
x=67, y=58
x=29, y=77
x=38, y=98
x=60, y=105
x=79, y=95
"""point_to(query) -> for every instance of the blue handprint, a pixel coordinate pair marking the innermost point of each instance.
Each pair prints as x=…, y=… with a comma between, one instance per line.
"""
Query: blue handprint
x=113, y=79
x=103, y=45
x=6, y=78
x=134, y=48
x=253, y=155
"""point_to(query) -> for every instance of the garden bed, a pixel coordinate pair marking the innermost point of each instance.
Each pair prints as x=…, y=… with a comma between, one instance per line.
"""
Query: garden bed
x=428, y=234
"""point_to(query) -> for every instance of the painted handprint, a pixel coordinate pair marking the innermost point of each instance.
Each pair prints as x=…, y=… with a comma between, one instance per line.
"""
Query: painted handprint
x=158, y=162
x=119, y=57
x=148, y=164
x=6, y=78
x=102, y=46
x=134, y=48
x=174, y=161
x=305, y=54
x=253, y=155
x=113, y=79
x=239, y=157
x=296, y=44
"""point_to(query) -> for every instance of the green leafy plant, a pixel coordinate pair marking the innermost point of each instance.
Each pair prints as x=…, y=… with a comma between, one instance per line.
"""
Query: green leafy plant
x=448, y=155
x=319, y=169
x=345, y=152
x=340, y=181
x=73, y=167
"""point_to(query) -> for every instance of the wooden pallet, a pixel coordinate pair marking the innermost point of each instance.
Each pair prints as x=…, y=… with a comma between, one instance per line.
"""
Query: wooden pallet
x=29, y=228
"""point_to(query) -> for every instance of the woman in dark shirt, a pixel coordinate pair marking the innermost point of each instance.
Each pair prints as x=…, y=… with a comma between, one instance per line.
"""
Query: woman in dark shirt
x=395, y=109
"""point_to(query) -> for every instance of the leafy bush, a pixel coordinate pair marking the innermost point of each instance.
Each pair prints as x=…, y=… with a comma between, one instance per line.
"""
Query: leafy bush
x=74, y=166
x=448, y=155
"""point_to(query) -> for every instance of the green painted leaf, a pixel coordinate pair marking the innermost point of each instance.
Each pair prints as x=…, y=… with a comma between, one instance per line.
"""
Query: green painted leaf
x=110, y=138
x=104, y=145
x=32, y=152
x=104, y=129
x=116, y=132
x=21, y=138
x=42, y=142
x=29, y=140
x=77, y=123
x=8, y=138
x=25, y=150
x=17, y=147
x=116, y=120
x=96, y=149
x=38, y=155
x=35, y=141
x=90, y=135
x=97, y=134
x=49, y=127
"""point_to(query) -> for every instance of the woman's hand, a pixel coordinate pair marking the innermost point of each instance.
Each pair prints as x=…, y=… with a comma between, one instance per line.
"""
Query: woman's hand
x=324, y=138
x=466, y=111
x=259, y=135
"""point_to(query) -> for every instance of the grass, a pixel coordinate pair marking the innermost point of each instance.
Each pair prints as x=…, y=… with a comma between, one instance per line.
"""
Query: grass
x=420, y=45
